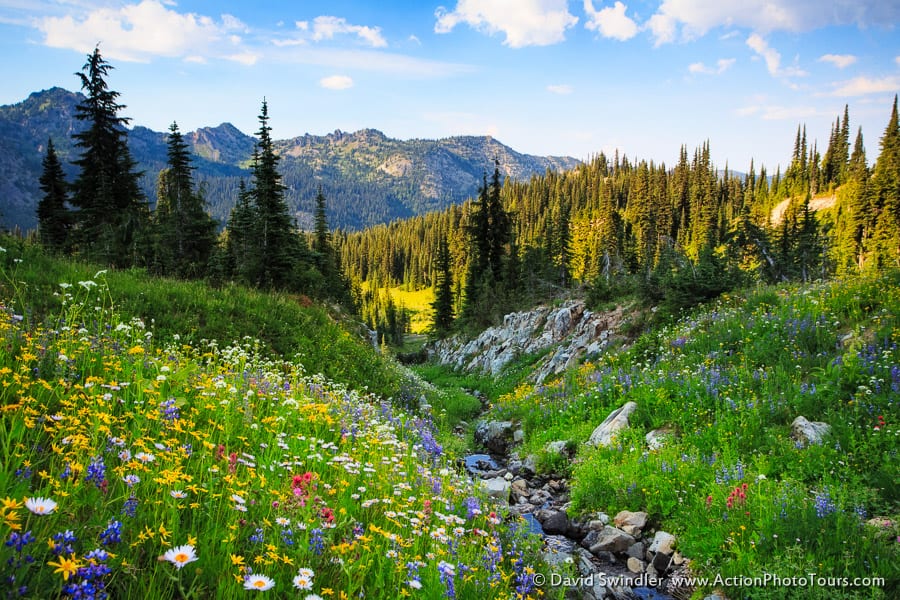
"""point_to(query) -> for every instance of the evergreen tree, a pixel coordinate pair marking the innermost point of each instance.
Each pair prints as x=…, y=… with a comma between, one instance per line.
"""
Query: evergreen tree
x=490, y=229
x=184, y=231
x=334, y=282
x=240, y=245
x=112, y=211
x=54, y=219
x=277, y=244
x=886, y=195
x=443, y=291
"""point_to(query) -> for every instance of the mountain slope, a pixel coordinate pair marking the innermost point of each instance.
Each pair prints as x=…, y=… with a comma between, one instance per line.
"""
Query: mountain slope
x=367, y=177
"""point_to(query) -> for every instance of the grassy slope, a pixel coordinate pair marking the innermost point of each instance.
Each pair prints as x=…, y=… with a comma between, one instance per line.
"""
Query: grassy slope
x=149, y=443
x=726, y=382
x=286, y=325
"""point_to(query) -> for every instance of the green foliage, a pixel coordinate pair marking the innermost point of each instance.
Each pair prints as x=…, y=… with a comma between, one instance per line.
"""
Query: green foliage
x=54, y=219
x=443, y=292
x=285, y=324
x=724, y=384
x=112, y=216
x=136, y=468
x=184, y=235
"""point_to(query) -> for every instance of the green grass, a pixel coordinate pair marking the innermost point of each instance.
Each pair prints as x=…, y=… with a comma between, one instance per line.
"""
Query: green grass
x=287, y=325
x=185, y=467
x=727, y=381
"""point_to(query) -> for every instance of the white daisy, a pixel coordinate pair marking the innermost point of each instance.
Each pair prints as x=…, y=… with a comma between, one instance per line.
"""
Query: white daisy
x=258, y=582
x=180, y=555
x=40, y=506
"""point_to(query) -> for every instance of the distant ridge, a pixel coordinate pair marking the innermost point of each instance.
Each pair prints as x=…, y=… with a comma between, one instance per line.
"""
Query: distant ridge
x=367, y=177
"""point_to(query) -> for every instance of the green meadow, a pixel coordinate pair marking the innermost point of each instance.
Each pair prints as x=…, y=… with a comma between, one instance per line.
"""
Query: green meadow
x=166, y=440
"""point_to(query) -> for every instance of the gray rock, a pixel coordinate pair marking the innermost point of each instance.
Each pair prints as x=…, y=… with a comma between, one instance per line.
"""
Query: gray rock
x=612, y=540
x=540, y=497
x=635, y=565
x=657, y=438
x=606, y=432
x=496, y=436
x=518, y=436
x=663, y=543
x=636, y=550
x=529, y=466
x=591, y=538
x=631, y=523
x=557, y=448
x=809, y=432
x=498, y=488
x=520, y=488
x=557, y=551
x=553, y=521
x=661, y=561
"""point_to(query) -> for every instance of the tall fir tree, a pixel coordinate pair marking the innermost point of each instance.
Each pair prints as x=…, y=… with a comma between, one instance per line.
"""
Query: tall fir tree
x=54, y=218
x=278, y=246
x=886, y=195
x=443, y=291
x=112, y=212
x=240, y=247
x=184, y=233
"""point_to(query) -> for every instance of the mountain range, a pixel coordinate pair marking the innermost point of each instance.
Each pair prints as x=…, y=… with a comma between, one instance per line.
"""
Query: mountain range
x=367, y=177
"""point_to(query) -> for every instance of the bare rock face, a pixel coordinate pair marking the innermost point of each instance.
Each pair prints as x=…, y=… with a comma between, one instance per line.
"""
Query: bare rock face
x=605, y=433
x=574, y=330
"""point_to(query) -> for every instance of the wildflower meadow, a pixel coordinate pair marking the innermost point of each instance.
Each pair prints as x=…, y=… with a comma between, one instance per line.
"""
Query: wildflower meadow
x=141, y=468
x=721, y=387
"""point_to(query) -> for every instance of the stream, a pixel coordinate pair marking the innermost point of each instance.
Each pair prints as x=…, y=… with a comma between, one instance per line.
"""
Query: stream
x=572, y=546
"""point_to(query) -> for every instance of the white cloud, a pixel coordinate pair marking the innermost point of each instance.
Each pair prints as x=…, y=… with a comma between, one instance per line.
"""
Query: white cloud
x=336, y=82
x=140, y=32
x=773, y=58
x=326, y=27
x=863, y=86
x=562, y=89
x=841, y=61
x=524, y=22
x=693, y=18
x=722, y=65
x=610, y=22
x=770, y=55
x=897, y=60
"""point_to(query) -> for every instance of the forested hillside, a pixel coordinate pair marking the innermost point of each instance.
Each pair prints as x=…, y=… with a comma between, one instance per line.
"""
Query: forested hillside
x=679, y=233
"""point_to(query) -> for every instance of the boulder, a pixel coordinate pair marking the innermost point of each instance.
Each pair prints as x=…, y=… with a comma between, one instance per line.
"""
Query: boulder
x=636, y=550
x=809, y=432
x=606, y=432
x=657, y=438
x=498, y=488
x=663, y=543
x=661, y=561
x=635, y=565
x=496, y=436
x=557, y=448
x=553, y=521
x=631, y=523
x=612, y=540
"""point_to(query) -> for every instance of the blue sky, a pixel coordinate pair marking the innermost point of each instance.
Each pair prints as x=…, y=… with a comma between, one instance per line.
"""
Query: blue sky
x=543, y=76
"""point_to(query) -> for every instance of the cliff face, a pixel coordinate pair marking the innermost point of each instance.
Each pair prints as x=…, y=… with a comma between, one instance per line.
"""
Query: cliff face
x=570, y=332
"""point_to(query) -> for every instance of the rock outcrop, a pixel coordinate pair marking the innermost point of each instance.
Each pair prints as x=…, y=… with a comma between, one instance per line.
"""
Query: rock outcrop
x=575, y=331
